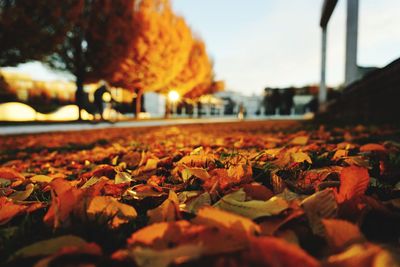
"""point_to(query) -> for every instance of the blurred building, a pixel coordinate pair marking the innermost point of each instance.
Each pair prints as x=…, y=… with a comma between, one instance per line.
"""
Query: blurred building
x=233, y=100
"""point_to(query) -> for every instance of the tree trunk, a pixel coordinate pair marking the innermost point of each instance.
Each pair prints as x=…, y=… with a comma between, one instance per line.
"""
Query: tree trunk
x=79, y=94
x=167, y=108
x=138, y=106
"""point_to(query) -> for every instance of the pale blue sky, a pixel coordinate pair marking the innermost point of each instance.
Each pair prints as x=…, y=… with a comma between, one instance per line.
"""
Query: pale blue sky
x=259, y=43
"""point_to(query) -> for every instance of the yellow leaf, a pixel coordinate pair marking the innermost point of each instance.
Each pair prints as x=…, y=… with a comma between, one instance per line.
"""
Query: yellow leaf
x=50, y=246
x=147, y=257
x=299, y=140
x=41, y=179
x=222, y=219
x=301, y=157
x=22, y=195
x=122, y=177
x=340, y=153
x=197, y=172
x=236, y=203
x=151, y=164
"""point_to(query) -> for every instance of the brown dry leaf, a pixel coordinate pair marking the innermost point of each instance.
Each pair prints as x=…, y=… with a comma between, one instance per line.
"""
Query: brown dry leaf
x=108, y=209
x=340, y=233
x=353, y=182
x=257, y=191
x=215, y=217
x=318, y=206
x=240, y=172
x=269, y=226
x=201, y=160
x=167, y=211
x=102, y=170
x=65, y=200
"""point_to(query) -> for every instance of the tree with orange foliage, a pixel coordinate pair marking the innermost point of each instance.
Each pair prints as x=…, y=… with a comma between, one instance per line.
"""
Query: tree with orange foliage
x=30, y=30
x=198, y=69
x=96, y=43
x=159, y=52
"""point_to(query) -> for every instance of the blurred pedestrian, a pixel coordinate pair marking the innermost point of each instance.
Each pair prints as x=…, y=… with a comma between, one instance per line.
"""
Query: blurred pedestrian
x=99, y=96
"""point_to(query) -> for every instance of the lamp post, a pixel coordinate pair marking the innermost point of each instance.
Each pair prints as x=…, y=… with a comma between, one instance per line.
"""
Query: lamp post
x=172, y=99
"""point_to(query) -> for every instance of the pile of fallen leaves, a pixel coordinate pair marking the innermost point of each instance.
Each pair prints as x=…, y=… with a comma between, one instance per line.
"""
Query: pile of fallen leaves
x=220, y=195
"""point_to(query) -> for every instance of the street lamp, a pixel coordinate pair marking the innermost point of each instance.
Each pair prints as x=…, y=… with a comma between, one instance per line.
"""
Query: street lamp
x=173, y=98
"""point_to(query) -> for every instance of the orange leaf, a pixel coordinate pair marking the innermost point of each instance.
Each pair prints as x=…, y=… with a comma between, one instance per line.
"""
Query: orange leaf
x=373, y=147
x=257, y=191
x=10, y=174
x=9, y=210
x=274, y=252
x=353, y=182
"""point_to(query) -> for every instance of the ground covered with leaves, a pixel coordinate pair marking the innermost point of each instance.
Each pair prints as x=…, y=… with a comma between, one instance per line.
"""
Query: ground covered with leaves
x=239, y=194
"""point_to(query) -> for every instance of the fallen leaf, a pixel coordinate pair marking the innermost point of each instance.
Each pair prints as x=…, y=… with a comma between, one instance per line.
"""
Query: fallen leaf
x=215, y=217
x=122, y=177
x=167, y=211
x=41, y=179
x=22, y=195
x=274, y=252
x=301, y=157
x=8, y=210
x=151, y=164
x=65, y=200
x=49, y=246
x=319, y=206
x=340, y=233
x=108, y=209
x=300, y=140
x=362, y=255
x=236, y=203
x=10, y=174
x=373, y=147
x=196, y=172
x=353, y=182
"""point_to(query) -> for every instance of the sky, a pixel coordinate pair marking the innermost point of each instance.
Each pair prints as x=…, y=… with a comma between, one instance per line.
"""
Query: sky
x=276, y=43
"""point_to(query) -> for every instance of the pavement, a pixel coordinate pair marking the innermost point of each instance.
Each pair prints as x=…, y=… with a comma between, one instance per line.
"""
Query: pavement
x=79, y=126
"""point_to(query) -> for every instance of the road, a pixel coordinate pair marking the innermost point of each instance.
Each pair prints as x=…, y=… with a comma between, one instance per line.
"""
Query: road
x=40, y=128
